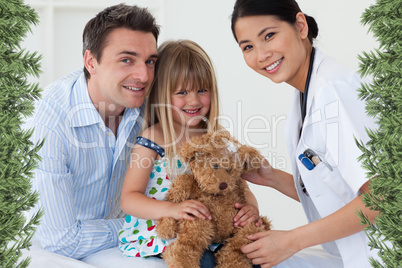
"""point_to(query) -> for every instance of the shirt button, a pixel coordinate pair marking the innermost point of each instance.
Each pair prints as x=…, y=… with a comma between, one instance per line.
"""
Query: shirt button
x=111, y=200
x=113, y=178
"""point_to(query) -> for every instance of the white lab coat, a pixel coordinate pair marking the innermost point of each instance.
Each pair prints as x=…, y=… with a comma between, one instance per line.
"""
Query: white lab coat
x=335, y=116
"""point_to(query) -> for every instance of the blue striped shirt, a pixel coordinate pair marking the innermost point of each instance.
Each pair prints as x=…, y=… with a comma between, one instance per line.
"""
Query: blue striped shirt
x=81, y=173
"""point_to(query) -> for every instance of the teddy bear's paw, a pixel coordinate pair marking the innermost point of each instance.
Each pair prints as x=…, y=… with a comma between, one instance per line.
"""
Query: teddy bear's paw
x=166, y=228
x=250, y=228
x=234, y=265
x=231, y=259
x=166, y=236
x=179, y=256
x=230, y=255
x=266, y=223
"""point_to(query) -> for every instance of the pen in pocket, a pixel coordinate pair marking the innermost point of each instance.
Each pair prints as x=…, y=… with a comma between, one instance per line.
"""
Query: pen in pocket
x=312, y=156
x=307, y=162
x=314, y=159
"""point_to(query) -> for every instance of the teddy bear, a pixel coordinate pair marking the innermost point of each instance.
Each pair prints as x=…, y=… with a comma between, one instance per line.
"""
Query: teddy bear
x=215, y=162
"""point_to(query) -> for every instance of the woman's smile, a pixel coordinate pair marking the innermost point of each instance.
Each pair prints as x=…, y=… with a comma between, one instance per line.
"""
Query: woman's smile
x=274, y=66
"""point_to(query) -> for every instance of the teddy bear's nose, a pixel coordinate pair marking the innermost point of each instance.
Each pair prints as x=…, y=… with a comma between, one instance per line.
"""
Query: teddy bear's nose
x=223, y=186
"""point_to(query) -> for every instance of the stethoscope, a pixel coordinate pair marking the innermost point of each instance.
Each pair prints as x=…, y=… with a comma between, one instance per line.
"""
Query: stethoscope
x=303, y=107
x=303, y=96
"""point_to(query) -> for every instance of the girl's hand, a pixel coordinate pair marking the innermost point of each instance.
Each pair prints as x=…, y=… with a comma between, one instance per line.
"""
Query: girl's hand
x=247, y=213
x=270, y=248
x=189, y=209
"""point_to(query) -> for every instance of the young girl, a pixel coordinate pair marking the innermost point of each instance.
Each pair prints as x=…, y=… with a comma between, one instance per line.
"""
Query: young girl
x=326, y=117
x=183, y=104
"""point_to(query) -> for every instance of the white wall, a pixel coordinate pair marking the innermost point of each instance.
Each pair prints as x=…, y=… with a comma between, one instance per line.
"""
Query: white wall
x=248, y=100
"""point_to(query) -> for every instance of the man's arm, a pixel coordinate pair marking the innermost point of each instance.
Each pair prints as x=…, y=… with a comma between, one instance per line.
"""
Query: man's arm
x=70, y=225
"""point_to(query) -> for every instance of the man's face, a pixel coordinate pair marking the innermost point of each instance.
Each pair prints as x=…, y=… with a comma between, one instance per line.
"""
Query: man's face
x=122, y=77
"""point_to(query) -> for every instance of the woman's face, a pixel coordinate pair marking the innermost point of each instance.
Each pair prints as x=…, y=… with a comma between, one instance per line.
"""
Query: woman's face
x=275, y=48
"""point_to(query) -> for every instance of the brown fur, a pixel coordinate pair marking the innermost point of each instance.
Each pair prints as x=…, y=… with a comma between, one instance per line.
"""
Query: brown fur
x=211, y=164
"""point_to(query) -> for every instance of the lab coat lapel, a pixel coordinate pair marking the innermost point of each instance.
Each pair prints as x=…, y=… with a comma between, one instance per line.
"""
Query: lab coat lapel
x=293, y=124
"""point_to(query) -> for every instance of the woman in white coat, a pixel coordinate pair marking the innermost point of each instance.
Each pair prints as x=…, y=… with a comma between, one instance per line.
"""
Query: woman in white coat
x=276, y=40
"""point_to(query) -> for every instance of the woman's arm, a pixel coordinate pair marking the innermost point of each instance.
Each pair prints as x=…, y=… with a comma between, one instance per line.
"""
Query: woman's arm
x=273, y=247
x=343, y=222
x=266, y=175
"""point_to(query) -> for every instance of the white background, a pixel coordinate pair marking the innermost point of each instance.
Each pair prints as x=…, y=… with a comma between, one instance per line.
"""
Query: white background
x=248, y=100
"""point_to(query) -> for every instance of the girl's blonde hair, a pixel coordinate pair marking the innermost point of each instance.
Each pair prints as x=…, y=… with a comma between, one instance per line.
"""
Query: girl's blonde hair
x=181, y=63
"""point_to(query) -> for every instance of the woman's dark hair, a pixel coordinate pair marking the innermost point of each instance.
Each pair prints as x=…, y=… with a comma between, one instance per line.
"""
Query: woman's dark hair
x=119, y=16
x=284, y=10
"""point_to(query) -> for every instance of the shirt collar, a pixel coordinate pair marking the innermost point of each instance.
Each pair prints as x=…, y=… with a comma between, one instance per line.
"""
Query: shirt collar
x=83, y=112
x=132, y=116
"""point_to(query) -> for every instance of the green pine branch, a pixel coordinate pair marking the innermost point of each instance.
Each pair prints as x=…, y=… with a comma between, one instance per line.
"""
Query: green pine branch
x=382, y=155
x=18, y=17
x=384, y=20
x=18, y=155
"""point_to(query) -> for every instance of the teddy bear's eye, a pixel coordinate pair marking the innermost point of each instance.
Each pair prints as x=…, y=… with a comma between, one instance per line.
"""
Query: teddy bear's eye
x=215, y=166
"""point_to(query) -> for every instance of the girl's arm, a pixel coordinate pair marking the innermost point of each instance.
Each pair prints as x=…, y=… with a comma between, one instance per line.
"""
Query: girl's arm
x=133, y=200
x=272, y=247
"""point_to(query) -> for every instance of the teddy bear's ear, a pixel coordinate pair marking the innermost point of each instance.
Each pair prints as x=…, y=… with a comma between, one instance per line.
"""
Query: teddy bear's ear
x=250, y=158
x=190, y=150
x=197, y=147
x=187, y=153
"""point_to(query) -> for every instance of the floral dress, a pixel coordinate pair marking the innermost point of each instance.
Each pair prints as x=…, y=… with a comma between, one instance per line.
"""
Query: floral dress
x=138, y=237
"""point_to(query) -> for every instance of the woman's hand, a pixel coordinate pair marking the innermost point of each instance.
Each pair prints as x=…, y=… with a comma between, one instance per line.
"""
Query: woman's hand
x=189, y=209
x=280, y=180
x=270, y=248
x=247, y=213
x=263, y=175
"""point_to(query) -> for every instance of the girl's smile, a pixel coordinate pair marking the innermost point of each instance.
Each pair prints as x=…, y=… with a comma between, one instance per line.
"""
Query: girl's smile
x=192, y=112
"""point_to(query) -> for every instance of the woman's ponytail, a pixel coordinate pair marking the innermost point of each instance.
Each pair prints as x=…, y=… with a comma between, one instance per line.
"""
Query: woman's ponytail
x=312, y=28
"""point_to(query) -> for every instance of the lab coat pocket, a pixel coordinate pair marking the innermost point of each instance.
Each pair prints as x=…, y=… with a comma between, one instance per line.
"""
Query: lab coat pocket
x=339, y=186
x=313, y=179
x=321, y=185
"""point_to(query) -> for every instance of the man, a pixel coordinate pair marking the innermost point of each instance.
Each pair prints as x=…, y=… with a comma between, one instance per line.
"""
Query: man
x=89, y=120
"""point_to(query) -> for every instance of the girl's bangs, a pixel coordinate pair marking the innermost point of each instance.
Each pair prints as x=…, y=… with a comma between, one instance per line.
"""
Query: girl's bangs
x=196, y=76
